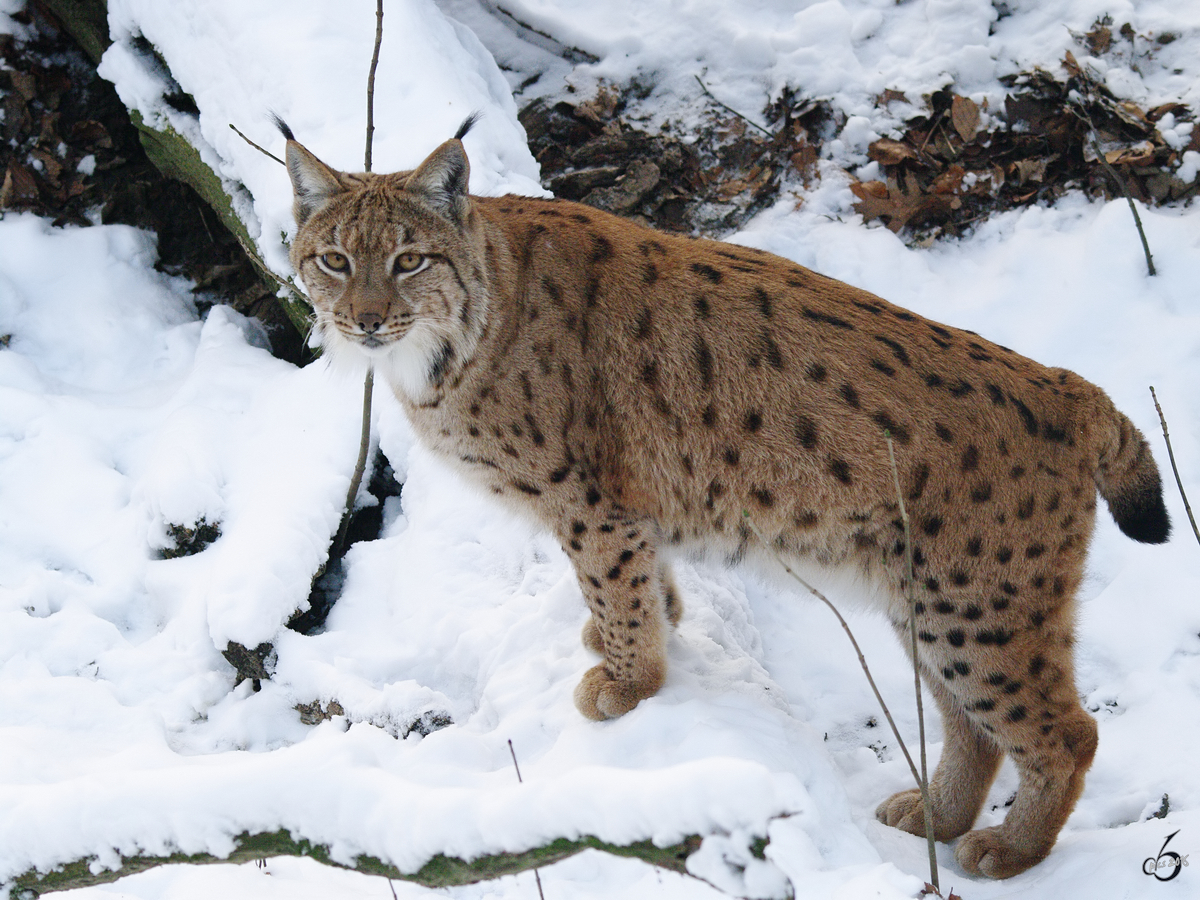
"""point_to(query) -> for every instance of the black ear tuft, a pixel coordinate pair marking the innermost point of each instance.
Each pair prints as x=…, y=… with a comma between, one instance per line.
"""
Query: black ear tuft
x=282, y=126
x=467, y=125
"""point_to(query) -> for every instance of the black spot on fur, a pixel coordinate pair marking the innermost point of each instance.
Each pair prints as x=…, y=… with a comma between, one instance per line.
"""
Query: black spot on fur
x=764, y=302
x=922, y=479
x=973, y=612
x=932, y=525
x=1036, y=665
x=982, y=493
x=943, y=432
x=764, y=497
x=933, y=380
x=602, y=249
x=897, y=349
x=650, y=273
x=706, y=271
x=975, y=546
x=709, y=418
x=704, y=362
x=643, y=328
x=994, y=636
x=753, y=421
x=1027, y=417
x=996, y=395
x=826, y=319
x=849, y=394
x=897, y=431
x=732, y=456
x=592, y=497
x=701, y=305
x=841, y=470
x=956, y=637
x=816, y=372
x=1016, y=714
x=806, y=432
x=1025, y=507
x=970, y=458
x=883, y=367
x=961, y=389
x=526, y=488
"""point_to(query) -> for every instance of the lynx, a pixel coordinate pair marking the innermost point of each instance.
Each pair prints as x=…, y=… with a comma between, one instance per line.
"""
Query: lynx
x=637, y=392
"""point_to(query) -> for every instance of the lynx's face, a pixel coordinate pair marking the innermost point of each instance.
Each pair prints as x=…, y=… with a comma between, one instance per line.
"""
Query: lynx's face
x=387, y=262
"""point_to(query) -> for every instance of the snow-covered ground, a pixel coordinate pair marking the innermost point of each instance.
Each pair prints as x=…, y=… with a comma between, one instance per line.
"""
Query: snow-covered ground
x=121, y=730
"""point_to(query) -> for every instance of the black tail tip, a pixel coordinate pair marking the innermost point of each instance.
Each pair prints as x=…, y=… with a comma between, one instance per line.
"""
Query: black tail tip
x=282, y=126
x=1143, y=517
x=467, y=125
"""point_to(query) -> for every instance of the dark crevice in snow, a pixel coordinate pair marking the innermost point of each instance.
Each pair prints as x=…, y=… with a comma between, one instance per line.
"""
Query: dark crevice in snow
x=366, y=523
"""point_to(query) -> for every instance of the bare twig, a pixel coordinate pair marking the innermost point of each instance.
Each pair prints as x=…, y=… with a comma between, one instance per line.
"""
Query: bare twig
x=371, y=84
x=261, y=150
x=730, y=109
x=360, y=467
x=536, y=875
x=923, y=781
x=1083, y=114
x=1171, y=453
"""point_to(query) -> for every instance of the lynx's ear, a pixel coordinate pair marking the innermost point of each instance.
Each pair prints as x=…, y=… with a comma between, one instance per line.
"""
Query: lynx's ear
x=442, y=179
x=313, y=182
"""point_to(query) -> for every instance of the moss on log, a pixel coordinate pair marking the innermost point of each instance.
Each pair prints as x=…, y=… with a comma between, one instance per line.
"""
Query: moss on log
x=441, y=871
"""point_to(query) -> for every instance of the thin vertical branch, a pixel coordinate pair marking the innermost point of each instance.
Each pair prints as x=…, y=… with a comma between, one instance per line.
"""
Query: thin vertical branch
x=536, y=875
x=923, y=781
x=364, y=444
x=371, y=84
x=1174, y=468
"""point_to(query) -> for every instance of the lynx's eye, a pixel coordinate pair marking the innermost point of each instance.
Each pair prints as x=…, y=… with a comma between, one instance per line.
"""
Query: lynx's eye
x=335, y=262
x=407, y=262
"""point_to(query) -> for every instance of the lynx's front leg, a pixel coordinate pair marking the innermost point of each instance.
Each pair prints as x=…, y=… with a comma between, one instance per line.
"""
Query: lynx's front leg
x=620, y=576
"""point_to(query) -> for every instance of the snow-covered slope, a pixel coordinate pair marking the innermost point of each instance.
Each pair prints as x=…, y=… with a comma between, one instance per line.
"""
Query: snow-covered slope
x=121, y=730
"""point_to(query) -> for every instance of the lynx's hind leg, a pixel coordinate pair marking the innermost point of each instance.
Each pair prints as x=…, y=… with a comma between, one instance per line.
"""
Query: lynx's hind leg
x=594, y=640
x=621, y=578
x=965, y=772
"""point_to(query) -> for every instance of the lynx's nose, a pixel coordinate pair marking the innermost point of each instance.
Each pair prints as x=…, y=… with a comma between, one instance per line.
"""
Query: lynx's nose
x=369, y=322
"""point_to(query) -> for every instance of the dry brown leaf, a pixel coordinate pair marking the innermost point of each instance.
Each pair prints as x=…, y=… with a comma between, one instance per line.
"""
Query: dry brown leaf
x=1030, y=170
x=889, y=96
x=1071, y=65
x=1137, y=155
x=888, y=152
x=19, y=186
x=1131, y=114
x=964, y=113
x=1099, y=39
x=893, y=201
x=1159, y=111
x=950, y=181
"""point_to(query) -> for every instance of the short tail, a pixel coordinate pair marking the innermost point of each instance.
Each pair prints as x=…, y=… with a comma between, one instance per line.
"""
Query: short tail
x=1128, y=479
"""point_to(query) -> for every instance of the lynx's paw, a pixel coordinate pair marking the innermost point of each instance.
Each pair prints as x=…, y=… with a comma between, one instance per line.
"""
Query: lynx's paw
x=905, y=811
x=592, y=638
x=987, y=852
x=600, y=696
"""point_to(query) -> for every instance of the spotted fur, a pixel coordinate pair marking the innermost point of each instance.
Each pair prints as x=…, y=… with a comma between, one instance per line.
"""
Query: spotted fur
x=635, y=391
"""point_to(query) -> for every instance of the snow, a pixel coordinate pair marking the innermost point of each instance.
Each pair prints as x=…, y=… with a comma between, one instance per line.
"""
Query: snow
x=121, y=413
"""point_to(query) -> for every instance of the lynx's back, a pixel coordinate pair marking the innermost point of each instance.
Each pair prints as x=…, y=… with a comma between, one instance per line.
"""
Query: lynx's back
x=635, y=391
